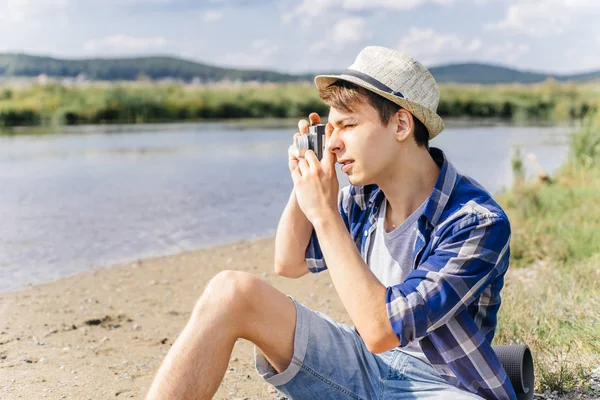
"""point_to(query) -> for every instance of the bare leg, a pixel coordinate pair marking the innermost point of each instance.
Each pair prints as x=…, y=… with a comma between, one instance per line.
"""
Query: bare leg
x=234, y=305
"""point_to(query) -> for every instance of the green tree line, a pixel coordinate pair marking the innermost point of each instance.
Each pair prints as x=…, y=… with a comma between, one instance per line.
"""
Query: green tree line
x=128, y=69
x=160, y=67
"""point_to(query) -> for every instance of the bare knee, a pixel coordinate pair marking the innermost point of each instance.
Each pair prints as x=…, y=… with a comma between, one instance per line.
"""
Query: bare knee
x=228, y=292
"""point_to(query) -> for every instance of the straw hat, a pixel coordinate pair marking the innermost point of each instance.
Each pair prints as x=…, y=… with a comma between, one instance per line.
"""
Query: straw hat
x=397, y=77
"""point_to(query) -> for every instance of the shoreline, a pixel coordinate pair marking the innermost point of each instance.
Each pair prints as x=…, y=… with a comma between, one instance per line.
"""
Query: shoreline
x=139, y=258
x=265, y=123
x=104, y=332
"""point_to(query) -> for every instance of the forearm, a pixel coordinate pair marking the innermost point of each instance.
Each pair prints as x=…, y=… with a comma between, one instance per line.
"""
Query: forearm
x=292, y=237
x=361, y=293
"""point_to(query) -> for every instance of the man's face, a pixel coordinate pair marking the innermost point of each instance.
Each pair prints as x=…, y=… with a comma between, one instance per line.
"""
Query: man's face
x=362, y=144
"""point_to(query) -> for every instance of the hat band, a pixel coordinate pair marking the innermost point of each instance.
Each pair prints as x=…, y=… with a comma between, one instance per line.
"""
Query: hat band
x=372, y=81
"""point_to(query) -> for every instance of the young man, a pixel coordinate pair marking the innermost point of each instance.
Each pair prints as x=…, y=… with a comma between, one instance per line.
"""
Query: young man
x=416, y=251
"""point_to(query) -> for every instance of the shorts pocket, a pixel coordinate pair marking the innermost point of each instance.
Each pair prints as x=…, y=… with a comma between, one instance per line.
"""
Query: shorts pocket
x=397, y=367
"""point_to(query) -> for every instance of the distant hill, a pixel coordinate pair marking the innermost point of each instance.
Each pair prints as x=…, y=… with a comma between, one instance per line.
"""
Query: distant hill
x=23, y=65
x=487, y=73
x=484, y=73
x=131, y=68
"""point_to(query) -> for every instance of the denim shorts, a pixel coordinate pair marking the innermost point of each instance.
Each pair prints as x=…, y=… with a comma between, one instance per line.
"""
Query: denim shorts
x=331, y=361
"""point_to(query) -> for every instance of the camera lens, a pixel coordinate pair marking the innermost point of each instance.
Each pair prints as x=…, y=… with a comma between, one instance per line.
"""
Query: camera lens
x=301, y=143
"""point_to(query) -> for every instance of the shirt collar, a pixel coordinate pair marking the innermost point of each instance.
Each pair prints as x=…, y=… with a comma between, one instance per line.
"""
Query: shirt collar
x=438, y=199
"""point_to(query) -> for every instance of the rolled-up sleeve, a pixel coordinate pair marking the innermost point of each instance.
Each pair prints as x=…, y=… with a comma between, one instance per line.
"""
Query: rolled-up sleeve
x=314, y=256
x=466, y=259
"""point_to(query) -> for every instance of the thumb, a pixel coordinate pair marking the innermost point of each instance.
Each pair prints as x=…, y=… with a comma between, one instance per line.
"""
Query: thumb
x=328, y=130
x=328, y=156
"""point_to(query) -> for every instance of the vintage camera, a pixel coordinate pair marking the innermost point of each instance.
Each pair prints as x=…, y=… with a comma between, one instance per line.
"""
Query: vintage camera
x=315, y=141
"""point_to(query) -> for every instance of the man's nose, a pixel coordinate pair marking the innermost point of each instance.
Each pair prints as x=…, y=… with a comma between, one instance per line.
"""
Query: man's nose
x=335, y=144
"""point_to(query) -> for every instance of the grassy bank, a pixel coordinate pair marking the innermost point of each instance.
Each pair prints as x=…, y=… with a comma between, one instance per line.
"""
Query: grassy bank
x=142, y=102
x=552, y=294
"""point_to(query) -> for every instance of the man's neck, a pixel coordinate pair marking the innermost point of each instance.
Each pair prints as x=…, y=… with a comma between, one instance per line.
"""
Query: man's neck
x=408, y=184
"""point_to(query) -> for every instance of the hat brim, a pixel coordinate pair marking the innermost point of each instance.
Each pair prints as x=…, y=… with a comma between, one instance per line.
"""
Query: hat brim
x=432, y=121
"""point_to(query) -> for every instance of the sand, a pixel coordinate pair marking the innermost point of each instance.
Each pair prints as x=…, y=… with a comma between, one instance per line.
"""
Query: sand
x=103, y=334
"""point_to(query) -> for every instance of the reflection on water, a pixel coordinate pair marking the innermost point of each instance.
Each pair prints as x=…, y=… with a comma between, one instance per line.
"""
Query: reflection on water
x=99, y=195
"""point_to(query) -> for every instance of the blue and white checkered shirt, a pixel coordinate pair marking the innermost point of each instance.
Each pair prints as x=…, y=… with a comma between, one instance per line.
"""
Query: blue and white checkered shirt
x=450, y=299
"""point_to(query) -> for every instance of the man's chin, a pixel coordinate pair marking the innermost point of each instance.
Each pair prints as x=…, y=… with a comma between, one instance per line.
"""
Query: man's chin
x=359, y=180
x=355, y=180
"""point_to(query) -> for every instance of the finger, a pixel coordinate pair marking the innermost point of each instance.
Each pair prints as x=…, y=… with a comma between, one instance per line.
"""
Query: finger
x=303, y=166
x=292, y=153
x=293, y=150
x=293, y=145
x=295, y=174
x=314, y=118
x=311, y=158
x=303, y=126
x=329, y=158
x=328, y=130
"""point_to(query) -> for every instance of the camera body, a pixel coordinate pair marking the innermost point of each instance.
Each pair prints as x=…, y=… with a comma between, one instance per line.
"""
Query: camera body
x=315, y=141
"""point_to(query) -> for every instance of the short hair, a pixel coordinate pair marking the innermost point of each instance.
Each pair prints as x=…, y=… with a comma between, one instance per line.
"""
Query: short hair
x=345, y=96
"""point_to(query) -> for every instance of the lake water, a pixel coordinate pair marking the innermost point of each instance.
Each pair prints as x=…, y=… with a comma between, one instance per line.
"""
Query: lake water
x=99, y=195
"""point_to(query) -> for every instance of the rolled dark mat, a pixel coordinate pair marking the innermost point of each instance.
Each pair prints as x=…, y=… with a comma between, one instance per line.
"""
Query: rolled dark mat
x=518, y=364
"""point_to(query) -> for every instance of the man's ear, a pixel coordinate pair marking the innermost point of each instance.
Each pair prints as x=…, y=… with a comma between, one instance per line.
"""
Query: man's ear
x=404, y=124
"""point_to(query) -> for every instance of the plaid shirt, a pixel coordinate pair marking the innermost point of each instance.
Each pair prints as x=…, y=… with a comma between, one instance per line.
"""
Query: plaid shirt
x=451, y=298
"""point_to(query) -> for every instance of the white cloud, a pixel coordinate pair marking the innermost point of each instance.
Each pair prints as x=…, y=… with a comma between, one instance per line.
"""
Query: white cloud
x=533, y=19
x=260, y=55
x=313, y=8
x=26, y=10
x=212, y=15
x=587, y=62
x=135, y=2
x=509, y=47
x=345, y=31
x=348, y=30
x=61, y=27
x=265, y=47
x=30, y=11
x=580, y=4
x=428, y=46
x=123, y=44
x=431, y=47
x=148, y=1
x=318, y=47
x=474, y=45
x=543, y=18
x=507, y=52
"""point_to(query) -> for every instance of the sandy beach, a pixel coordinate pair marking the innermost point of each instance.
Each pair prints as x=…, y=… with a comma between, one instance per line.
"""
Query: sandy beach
x=103, y=334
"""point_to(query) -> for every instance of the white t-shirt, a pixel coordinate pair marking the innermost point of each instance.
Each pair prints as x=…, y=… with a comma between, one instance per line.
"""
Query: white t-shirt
x=390, y=257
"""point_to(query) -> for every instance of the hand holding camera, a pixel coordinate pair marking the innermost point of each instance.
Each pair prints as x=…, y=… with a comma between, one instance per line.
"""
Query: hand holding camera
x=309, y=137
x=313, y=172
x=315, y=141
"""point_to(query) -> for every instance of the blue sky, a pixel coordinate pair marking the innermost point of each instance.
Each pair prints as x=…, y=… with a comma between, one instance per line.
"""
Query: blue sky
x=561, y=36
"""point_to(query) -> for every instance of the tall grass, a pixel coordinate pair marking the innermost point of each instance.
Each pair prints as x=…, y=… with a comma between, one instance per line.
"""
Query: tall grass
x=585, y=145
x=552, y=291
x=134, y=102
x=140, y=103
